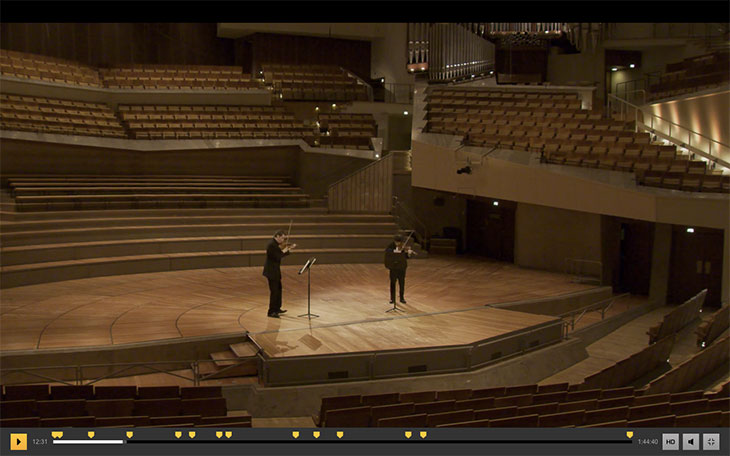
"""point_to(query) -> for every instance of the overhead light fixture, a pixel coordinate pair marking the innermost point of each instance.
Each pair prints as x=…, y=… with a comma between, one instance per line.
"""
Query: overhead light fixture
x=495, y=203
x=690, y=230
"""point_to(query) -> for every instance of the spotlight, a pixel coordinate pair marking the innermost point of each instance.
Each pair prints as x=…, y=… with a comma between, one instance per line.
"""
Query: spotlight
x=464, y=170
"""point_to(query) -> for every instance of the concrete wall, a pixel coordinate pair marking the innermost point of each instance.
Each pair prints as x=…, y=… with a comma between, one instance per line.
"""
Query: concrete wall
x=389, y=54
x=545, y=237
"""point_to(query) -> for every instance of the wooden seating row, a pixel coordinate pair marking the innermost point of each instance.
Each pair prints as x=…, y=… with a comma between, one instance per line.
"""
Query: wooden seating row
x=693, y=370
x=631, y=368
x=52, y=102
x=678, y=318
x=181, y=84
x=39, y=127
x=686, y=181
x=45, y=392
x=711, y=329
x=164, y=68
x=209, y=406
x=471, y=92
x=207, y=116
x=549, y=414
x=129, y=421
x=204, y=109
x=223, y=134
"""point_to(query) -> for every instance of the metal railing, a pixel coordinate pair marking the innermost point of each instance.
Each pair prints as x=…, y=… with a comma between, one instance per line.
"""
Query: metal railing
x=397, y=93
x=580, y=269
x=571, y=318
x=406, y=219
x=693, y=141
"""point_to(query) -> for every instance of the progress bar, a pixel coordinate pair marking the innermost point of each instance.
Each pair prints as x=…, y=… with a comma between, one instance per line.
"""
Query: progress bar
x=88, y=442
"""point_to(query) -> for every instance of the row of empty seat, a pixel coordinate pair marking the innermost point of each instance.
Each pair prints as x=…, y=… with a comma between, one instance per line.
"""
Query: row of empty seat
x=178, y=77
x=554, y=405
x=565, y=135
x=47, y=69
x=678, y=318
x=313, y=82
x=49, y=115
x=99, y=406
x=691, y=75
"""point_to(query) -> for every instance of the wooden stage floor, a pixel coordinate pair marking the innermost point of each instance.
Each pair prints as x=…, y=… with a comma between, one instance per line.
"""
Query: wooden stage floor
x=445, y=295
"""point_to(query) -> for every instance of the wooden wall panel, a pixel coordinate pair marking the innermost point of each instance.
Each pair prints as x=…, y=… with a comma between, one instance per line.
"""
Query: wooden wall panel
x=121, y=43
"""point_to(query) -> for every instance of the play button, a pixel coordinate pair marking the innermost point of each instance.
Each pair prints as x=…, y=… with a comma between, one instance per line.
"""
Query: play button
x=18, y=442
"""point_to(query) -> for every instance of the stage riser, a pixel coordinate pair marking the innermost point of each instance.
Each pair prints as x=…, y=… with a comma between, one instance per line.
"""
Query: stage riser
x=203, y=260
x=183, y=220
x=176, y=354
x=153, y=247
x=208, y=203
x=9, y=215
x=385, y=365
x=106, y=234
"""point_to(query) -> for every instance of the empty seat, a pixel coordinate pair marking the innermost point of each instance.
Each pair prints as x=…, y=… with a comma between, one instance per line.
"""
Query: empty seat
x=161, y=407
x=24, y=392
x=212, y=406
x=72, y=392
x=110, y=407
x=158, y=392
x=349, y=417
x=115, y=392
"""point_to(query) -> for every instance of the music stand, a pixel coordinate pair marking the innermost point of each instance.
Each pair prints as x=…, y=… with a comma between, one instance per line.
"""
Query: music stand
x=393, y=260
x=308, y=267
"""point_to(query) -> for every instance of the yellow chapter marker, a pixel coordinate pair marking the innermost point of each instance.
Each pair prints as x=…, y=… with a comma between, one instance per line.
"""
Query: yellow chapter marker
x=130, y=434
x=178, y=434
x=629, y=434
x=229, y=434
x=191, y=434
x=316, y=434
x=295, y=434
x=340, y=434
x=408, y=434
x=423, y=434
x=57, y=434
x=219, y=434
x=91, y=434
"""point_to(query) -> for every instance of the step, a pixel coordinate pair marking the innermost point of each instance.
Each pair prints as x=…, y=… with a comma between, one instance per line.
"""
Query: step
x=9, y=215
x=225, y=358
x=30, y=274
x=162, y=191
x=27, y=254
x=152, y=203
x=171, y=231
x=110, y=221
x=245, y=349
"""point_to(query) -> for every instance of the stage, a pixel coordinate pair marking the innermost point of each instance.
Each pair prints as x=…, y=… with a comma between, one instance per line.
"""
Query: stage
x=452, y=304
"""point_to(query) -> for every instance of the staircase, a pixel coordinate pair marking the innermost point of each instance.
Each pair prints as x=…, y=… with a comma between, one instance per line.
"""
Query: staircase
x=240, y=360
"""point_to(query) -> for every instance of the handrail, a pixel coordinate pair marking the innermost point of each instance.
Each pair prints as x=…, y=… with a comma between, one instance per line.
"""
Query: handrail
x=706, y=154
x=369, y=165
x=589, y=308
x=424, y=233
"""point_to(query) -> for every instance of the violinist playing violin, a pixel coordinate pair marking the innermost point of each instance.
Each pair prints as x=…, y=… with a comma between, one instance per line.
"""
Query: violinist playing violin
x=396, y=260
x=277, y=249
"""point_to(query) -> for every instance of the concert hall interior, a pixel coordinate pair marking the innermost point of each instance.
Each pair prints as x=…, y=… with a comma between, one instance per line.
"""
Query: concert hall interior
x=564, y=188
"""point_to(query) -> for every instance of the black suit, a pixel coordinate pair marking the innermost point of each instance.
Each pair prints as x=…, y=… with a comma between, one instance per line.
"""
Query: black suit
x=272, y=271
x=397, y=264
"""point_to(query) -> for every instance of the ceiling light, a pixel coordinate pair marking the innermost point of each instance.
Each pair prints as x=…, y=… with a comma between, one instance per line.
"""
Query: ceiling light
x=690, y=230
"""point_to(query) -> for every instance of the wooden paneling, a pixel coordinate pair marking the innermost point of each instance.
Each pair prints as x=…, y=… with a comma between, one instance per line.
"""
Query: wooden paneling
x=368, y=190
x=122, y=43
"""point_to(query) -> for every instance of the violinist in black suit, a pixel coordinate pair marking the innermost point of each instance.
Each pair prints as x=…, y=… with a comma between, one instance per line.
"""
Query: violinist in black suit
x=396, y=260
x=277, y=249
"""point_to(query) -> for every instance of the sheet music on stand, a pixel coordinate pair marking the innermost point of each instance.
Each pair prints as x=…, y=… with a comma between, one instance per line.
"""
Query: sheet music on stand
x=308, y=268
